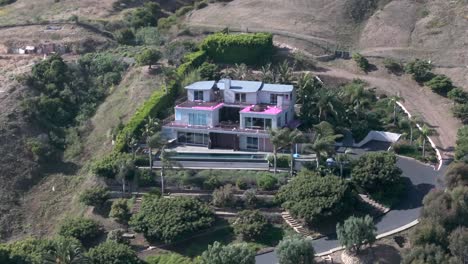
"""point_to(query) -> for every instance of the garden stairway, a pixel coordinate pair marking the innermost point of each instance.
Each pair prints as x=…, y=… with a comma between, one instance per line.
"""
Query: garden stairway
x=137, y=205
x=381, y=209
x=294, y=224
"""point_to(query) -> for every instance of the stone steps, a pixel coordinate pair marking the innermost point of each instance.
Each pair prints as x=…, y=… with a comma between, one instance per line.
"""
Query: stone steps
x=294, y=224
x=377, y=206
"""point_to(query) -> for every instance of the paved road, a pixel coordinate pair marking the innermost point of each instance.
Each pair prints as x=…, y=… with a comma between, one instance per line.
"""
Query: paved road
x=423, y=179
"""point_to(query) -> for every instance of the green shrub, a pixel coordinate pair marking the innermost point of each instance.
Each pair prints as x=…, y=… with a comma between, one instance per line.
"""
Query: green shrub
x=41, y=150
x=392, y=65
x=420, y=69
x=125, y=36
x=461, y=146
x=116, y=235
x=168, y=258
x=183, y=10
x=144, y=16
x=440, y=84
x=209, y=71
x=404, y=148
x=146, y=178
x=148, y=36
x=191, y=61
x=361, y=61
x=201, y=4
x=112, y=252
x=241, y=184
x=96, y=196
x=267, y=182
x=85, y=230
x=120, y=211
x=282, y=161
x=6, y=2
x=239, y=48
x=461, y=111
x=169, y=220
x=211, y=183
x=458, y=95
x=250, y=225
x=107, y=165
x=166, y=23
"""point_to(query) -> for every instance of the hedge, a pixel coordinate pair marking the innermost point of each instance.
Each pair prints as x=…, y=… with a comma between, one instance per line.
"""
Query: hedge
x=191, y=61
x=239, y=48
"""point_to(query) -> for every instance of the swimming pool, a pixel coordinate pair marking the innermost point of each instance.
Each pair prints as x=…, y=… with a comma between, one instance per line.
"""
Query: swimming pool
x=219, y=156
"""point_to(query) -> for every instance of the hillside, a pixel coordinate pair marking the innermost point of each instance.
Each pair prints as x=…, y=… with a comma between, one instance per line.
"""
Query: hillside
x=403, y=29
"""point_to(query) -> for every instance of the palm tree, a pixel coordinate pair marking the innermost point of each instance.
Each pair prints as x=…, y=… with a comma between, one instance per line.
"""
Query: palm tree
x=266, y=73
x=326, y=104
x=149, y=130
x=324, y=142
x=342, y=159
x=126, y=171
x=413, y=121
x=240, y=71
x=292, y=137
x=132, y=142
x=285, y=72
x=393, y=102
x=357, y=96
x=425, y=133
x=66, y=250
x=278, y=140
x=304, y=83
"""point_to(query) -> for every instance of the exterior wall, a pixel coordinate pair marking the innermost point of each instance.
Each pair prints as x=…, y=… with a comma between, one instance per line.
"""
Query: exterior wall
x=263, y=143
x=264, y=97
x=251, y=98
x=182, y=116
x=251, y=114
x=207, y=95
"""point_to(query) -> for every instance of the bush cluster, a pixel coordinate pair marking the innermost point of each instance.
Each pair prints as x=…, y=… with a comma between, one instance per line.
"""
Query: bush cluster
x=239, y=48
x=461, y=147
x=361, y=61
x=83, y=229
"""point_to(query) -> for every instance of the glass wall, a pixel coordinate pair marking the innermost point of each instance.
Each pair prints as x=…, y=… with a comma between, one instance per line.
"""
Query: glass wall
x=257, y=123
x=197, y=119
x=193, y=138
x=252, y=143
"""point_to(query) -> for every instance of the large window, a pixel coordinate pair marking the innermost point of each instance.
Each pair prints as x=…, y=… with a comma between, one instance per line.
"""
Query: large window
x=273, y=98
x=198, y=95
x=257, y=123
x=193, y=138
x=241, y=98
x=252, y=143
x=197, y=119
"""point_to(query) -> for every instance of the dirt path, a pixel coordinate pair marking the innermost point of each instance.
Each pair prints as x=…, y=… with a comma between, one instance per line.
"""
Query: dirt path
x=420, y=101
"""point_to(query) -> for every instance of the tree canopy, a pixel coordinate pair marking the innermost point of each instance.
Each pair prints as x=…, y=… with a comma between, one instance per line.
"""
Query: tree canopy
x=96, y=196
x=149, y=57
x=171, y=219
x=356, y=232
x=315, y=198
x=230, y=254
x=112, y=252
x=295, y=250
x=250, y=224
x=83, y=229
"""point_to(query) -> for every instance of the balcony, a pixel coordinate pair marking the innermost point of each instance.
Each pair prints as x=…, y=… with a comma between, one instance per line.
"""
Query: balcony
x=222, y=126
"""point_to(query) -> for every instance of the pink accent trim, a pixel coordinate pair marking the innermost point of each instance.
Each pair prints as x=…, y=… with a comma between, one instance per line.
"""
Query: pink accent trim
x=271, y=110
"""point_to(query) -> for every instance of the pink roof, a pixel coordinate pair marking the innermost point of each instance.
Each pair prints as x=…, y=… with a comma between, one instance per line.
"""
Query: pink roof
x=270, y=110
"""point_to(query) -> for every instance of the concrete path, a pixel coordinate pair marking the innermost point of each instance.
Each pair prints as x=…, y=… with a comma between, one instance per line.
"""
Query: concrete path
x=423, y=178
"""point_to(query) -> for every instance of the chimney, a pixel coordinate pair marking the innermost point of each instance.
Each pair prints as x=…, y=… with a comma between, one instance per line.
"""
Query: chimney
x=227, y=84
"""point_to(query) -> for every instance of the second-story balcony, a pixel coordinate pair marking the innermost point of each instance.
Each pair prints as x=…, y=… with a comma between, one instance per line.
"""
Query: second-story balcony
x=225, y=126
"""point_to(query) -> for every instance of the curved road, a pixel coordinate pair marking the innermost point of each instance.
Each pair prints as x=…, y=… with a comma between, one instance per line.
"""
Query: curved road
x=423, y=178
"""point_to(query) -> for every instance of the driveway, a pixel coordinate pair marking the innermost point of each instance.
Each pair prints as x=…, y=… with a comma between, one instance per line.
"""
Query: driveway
x=423, y=178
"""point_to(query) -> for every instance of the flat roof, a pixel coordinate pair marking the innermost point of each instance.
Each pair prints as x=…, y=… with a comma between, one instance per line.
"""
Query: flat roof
x=278, y=88
x=202, y=85
x=241, y=86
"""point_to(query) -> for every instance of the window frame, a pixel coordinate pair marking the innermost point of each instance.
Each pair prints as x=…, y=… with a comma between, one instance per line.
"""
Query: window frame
x=197, y=94
x=252, y=145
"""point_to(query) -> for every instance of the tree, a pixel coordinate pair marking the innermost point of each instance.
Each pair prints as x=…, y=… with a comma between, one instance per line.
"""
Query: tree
x=393, y=100
x=171, y=219
x=250, y=225
x=278, y=140
x=458, y=244
x=428, y=232
x=456, y=175
x=324, y=141
x=356, y=232
x=314, y=198
x=267, y=73
x=5, y=255
x=250, y=198
x=425, y=133
x=240, y=72
x=125, y=36
x=116, y=235
x=168, y=258
x=458, y=95
x=305, y=82
x=147, y=132
x=208, y=71
x=267, y=182
x=66, y=250
x=440, y=84
x=461, y=111
x=224, y=196
x=292, y=138
x=125, y=171
x=120, y=211
x=85, y=230
x=230, y=254
x=145, y=16
x=430, y=254
x=361, y=61
x=112, y=252
x=461, y=146
x=149, y=57
x=96, y=196
x=375, y=172
x=295, y=250
x=285, y=72
x=29, y=250
x=420, y=69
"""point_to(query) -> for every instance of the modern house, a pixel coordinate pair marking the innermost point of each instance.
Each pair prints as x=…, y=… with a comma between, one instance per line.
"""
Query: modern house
x=232, y=114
